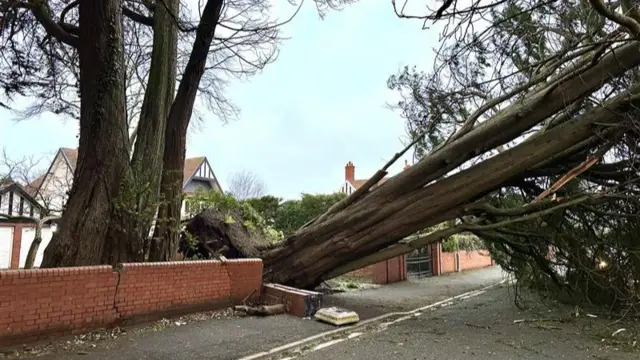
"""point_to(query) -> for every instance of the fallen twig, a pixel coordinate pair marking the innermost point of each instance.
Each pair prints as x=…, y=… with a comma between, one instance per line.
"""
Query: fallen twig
x=261, y=310
x=244, y=301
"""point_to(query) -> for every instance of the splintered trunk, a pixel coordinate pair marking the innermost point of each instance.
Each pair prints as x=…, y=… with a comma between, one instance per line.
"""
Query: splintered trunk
x=166, y=236
x=368, y=229
x=103, y=158
x=138, y=200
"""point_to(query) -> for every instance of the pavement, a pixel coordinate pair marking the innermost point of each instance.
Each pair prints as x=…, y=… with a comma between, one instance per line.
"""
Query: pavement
x=229, y=338
x=488, y=326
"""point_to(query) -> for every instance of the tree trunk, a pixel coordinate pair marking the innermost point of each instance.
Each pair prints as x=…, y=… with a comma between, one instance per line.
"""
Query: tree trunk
x=103, y=157
x=37, y=239
x=138, y=202
x=372, y=225
x=165, y=240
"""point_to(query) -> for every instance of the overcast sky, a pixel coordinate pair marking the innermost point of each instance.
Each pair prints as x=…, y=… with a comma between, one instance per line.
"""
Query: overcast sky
x=321, y=104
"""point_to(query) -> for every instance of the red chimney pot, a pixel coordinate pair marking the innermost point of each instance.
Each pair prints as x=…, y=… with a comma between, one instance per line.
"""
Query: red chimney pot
x=350, y=172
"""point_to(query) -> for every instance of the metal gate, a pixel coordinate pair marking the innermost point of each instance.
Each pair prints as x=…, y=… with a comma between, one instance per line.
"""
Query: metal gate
x=419, y=263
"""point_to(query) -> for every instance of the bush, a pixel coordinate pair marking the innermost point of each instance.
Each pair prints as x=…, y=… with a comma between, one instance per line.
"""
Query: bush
x=228, y=205
x=462, y=242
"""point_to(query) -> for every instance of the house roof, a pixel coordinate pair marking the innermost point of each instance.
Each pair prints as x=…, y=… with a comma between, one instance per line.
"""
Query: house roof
x=357, y=183
x=32, y=187
x=5, y=181
x=15, y=187
x=71, y=156
x=191, y=165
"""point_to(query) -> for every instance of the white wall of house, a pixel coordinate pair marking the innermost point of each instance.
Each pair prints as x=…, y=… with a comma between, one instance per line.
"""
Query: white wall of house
x=28, y=234
x=198, y=184
x=347, y=188
x=56, y=185
x=6, y=245
x=4, y=203
x=15, y=208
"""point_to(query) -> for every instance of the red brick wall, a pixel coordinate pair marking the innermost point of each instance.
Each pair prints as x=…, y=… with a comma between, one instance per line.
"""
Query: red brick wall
x=39, y=303
x=468, y=260
x=384, y=272
x=447, y=262
x=475, y=259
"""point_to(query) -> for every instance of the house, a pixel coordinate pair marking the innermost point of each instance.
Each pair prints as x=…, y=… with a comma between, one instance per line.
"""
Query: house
x=16, y=202
x=21, y=206
x=51, y=189
x=18, y=212
x=352, y=184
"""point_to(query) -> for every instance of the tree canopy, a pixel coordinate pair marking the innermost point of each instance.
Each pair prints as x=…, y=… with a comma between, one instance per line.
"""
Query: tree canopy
x=564, y=222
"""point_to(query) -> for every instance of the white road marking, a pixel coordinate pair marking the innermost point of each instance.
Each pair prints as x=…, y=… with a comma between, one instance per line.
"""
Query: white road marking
x=327, y=344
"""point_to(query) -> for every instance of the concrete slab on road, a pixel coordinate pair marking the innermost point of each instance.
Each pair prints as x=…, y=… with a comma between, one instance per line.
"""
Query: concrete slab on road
x=483, y=327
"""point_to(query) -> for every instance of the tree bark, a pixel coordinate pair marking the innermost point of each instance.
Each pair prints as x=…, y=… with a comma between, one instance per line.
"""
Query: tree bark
x=306, y=258
x=103, y=156
x=37, y=240
x=164, y=244
x=138, y=202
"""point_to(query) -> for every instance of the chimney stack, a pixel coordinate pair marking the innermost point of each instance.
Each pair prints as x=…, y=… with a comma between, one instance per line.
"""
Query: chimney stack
x=350, y=172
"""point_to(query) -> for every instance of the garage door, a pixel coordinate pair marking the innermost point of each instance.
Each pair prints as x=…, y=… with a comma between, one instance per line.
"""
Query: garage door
x=6, y=242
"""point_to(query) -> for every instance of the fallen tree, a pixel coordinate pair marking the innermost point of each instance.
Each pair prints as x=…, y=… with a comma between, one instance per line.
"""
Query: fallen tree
x=563, y=115
x=371, y=221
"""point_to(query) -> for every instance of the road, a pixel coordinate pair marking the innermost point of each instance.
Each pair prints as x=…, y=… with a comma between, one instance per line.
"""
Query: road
x=488, y=326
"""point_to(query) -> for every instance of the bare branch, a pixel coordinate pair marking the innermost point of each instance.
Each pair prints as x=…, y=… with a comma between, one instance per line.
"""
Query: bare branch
x=245, y=185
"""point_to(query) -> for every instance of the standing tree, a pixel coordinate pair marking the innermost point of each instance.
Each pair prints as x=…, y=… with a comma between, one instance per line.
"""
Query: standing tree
x=96, y=60
x=245, y=184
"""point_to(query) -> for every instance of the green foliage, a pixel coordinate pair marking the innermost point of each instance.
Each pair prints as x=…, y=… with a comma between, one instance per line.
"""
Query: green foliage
x=275, y=219
x=293, y=214
x=269, y=212
x=463, y=242
x=267, y=206
x=586, y=254
x=231, y=208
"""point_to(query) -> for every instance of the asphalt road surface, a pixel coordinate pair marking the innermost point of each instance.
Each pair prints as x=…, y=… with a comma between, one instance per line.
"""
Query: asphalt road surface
x=490, y=326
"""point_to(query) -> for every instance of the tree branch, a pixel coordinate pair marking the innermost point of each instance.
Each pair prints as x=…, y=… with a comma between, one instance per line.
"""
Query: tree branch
x=137, y=17
x=628, y=22
x=412, y=243
x=41, y=13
